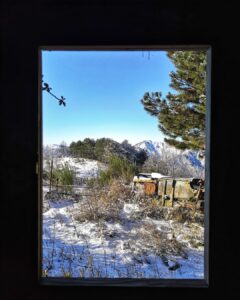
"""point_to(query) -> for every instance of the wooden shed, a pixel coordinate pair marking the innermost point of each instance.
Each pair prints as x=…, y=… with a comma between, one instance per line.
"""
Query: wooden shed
x=171, y=189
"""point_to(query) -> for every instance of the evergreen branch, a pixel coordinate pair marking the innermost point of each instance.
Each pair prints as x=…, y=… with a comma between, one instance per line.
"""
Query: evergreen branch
x=181, y=115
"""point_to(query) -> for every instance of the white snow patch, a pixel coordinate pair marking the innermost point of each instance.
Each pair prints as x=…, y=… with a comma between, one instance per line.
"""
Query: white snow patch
x=110, y=249
x=128, y=209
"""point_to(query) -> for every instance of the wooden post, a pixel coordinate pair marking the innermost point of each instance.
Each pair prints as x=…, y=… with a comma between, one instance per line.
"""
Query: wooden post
x=51, y=170
x=164, y=193
x=173, y=190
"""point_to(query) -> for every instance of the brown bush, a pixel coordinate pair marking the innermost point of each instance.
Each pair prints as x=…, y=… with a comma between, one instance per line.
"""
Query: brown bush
x=162, y=243
x=182, y=213
x=104, y=203
x=148, y=207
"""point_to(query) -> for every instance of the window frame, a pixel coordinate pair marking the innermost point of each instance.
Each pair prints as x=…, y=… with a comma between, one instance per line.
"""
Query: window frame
x=127, y=282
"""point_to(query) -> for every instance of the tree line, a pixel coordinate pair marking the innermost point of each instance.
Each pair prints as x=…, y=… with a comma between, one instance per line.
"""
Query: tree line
x=104, y=148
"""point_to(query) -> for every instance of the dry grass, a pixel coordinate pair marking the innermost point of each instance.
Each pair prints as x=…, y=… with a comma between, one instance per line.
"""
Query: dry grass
x=148, y=207
x=160, y=242
x=104, y=203
x=183, y=213
x=144, y=237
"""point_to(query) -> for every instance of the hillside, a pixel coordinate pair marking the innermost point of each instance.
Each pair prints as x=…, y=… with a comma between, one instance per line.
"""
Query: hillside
x=161, y=149
x=186, y=163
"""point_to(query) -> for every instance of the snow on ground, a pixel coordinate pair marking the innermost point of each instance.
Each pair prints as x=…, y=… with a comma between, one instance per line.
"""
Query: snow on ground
x=108, y=249
x=113, y=249
x=84, y=168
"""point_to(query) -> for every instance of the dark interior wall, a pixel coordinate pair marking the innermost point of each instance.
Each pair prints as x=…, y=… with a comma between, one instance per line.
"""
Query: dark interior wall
x=25, y=27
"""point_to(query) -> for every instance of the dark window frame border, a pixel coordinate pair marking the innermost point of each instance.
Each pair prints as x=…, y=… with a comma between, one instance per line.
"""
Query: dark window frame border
x=128, y=282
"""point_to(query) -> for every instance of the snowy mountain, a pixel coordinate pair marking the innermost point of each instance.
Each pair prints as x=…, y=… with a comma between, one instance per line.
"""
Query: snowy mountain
x=192, y=160
x=162, y=150
x=154, y=148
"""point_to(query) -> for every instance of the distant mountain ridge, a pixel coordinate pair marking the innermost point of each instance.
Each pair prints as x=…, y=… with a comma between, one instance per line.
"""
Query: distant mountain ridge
x=162, y=148
x=103, y=148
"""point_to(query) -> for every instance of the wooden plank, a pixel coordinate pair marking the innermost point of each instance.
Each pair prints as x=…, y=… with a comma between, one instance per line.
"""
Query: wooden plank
x=150, y=188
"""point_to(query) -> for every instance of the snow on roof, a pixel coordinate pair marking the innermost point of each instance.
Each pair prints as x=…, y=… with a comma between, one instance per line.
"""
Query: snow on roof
x=158, y=175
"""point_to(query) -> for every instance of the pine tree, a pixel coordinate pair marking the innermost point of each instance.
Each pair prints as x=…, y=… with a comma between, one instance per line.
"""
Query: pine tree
x=181, y=115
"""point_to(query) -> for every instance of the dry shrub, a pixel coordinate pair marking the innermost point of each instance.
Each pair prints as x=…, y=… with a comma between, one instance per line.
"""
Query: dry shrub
x=162, y=243
x=182, y=213
x=104, y=203
x=117, y=191
x=148, y=207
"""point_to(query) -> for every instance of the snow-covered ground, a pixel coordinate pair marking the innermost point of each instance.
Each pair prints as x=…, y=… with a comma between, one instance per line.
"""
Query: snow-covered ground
x=84, y=168
x=115, y=249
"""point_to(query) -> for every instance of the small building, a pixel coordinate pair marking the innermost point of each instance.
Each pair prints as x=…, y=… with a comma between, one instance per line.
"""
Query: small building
x=169, y=189
x=184, y=189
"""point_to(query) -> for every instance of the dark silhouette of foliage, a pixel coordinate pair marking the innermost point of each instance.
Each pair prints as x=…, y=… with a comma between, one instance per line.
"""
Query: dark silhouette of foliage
x=47, y=88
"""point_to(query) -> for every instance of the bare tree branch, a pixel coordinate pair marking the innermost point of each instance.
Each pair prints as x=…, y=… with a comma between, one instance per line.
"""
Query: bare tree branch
x=47, y=88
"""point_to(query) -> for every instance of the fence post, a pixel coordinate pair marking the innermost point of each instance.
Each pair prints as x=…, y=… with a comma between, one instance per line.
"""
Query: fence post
x=173, y=190
x=51, y=169
x=164, y=192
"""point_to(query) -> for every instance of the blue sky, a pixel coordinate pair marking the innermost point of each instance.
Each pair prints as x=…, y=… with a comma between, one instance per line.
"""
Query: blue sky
x=103, y=91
